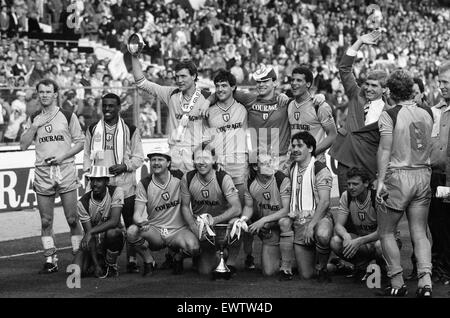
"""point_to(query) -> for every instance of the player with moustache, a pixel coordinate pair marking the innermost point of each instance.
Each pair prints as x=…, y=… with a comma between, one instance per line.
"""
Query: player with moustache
x=158, y=220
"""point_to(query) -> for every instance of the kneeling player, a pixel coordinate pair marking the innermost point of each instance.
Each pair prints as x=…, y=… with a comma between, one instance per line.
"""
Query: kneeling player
x=310, y=201
x=157, y=216
x=208, y=198
x=267, y=205
x=99, y=211
x=361, y=244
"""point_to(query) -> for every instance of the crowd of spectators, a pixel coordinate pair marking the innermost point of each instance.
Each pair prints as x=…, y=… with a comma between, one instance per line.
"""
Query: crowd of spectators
x=233, y=34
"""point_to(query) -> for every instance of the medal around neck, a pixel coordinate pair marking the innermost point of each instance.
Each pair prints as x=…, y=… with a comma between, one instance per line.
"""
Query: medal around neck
x=135, y=44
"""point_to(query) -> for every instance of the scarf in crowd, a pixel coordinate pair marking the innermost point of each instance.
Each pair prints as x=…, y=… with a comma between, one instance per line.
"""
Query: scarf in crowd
x=305, y=198
x=99, y=141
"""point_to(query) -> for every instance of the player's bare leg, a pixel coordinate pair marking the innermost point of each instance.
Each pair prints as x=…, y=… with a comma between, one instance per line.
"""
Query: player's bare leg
x=286, y=248
x=387, y=226
x=69, y=200
x=306, y=259
x=46, y=210
x=270, y=259
x=417, y=220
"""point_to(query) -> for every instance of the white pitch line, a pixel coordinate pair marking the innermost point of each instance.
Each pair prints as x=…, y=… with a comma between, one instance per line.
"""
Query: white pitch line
x=31, y=253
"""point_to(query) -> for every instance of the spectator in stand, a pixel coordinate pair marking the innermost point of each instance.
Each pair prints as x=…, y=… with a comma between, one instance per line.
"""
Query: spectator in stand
x=18, y=116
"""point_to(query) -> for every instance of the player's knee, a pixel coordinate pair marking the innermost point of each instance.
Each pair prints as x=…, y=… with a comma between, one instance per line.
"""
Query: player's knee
x=193, y=247
x=72, y=221
x=336, y=244
x=285, y=224
x=113, y=234
x=323, y=236
x=46, y=222
x=133, y=233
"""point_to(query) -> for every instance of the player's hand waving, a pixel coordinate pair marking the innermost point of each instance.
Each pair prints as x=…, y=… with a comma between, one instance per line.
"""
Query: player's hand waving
x=371, y=38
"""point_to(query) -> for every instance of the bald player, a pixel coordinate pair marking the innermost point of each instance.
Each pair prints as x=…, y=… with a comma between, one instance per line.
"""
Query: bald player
x=208, y=198
x=304, y=115
x=159, y=222
x=58, y=138
x=267, y=199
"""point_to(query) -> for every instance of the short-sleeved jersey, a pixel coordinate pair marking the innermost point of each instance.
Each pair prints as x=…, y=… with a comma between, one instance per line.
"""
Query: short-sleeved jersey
x=267, y=198
x=322, y=181
x=99, y=212
x=304, y=117
x=410, y=127
x=56, y=137
x=363, y=216
x=196, y=130
x=162, y=200
x=269, y=122
x=209, y=197
x=228, y=133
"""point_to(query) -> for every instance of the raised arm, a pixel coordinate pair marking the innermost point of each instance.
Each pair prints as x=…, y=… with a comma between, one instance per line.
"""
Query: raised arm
x=346, y=64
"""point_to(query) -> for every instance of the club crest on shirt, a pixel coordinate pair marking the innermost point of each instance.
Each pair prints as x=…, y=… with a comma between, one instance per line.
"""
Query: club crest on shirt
x=296, y=115
x=226, y=117
x=48, y=128
x=299, y=179
x=205, y=193
x=165, y=196
x=265, y=116
x=266, y=195
x=362, y=216
x=109, y=137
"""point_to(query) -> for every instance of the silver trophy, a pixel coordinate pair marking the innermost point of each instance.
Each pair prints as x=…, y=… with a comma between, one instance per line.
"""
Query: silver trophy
x=135, y=44
x=221, y=241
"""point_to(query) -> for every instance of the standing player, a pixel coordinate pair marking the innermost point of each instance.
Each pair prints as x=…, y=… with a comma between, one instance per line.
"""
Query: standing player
x=157, y=216
x=439, y=218
x=304, y=115
x=404, y=173
x=54, y=131
x=113, y=143
x=267, y=205
x=364, y=108
x=357, y=206
x=228, y=122
x=310, y=202
x=187, y=127
x=99, y=211
x=208, y=197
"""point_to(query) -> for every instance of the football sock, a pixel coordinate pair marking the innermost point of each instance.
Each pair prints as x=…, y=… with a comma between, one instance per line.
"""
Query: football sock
x=111, y=257
x=397, y=280
x=76, y=241
x=49, y=248
x=424, y=280
x=322, y=256
x=287, y=250
x=142, y=249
